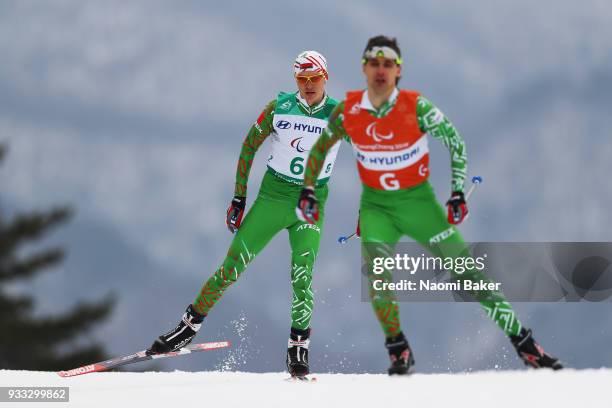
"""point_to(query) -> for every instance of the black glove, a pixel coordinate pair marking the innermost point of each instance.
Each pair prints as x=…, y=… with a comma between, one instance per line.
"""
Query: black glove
x=235, y=213
x=308, y=206
x=457, y=208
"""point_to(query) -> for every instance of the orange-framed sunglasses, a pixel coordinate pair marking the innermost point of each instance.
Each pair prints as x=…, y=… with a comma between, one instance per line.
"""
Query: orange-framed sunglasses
x=304, y=79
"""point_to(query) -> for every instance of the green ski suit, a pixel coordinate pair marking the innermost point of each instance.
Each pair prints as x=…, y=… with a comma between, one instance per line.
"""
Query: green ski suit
x=294, y=127
x=388, y=214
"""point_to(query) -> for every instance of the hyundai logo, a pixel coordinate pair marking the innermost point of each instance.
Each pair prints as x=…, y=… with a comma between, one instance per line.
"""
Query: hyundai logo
x=283, y=124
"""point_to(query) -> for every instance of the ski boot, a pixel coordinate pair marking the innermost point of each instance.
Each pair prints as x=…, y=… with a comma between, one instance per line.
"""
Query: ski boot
x=532, y=353
x=400, y=354
x=179, y=336
x=297, y=353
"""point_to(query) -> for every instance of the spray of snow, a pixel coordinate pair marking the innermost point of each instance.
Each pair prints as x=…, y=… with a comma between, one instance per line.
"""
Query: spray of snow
x=242, y=350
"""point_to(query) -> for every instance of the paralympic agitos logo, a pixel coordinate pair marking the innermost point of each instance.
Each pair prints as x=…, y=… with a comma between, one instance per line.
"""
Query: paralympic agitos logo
x=371, y=131
x=295, y=143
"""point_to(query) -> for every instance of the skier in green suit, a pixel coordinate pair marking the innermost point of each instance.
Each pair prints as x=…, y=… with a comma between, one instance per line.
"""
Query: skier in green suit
x=387, y=129
x=294, y=121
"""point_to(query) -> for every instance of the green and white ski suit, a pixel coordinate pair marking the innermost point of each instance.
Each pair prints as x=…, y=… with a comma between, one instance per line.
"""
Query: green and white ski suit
x=294, y=127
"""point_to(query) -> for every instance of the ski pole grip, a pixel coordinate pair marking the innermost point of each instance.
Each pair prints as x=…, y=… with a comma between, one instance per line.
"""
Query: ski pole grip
x=343, y=239
x=476, y=180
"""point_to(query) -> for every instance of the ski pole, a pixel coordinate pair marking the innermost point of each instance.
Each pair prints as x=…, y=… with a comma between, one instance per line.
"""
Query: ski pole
x=476, y=180
x=342, y=240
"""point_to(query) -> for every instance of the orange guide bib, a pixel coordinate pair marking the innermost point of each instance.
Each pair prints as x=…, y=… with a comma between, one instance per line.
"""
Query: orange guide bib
x=392, y=152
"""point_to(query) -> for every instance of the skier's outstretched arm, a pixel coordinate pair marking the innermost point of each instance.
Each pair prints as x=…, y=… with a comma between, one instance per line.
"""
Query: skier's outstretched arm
x=260, y=130
x=433, y=121
x=332, y=133
x=307, y=207
x=254, y=138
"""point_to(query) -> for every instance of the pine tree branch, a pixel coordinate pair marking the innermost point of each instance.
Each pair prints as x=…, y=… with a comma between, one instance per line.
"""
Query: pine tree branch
x=53, y=330
x=30, y=227
x=11, y=269
x=34, y=343
x=40, y=358
x=11, y=306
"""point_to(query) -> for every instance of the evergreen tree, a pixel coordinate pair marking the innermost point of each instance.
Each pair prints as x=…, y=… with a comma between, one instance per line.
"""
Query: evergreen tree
x=47, y=343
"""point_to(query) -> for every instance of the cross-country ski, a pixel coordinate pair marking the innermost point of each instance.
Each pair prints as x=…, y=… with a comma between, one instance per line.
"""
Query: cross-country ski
x=139, y=357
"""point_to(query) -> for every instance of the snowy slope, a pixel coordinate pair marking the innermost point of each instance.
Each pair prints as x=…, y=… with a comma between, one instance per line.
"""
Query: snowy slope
x=569, y=388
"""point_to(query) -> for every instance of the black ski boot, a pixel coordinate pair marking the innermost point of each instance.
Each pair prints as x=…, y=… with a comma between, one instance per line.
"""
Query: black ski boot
x=400, y=354
x=297, y=352
x=179, y=336
x=532, y=353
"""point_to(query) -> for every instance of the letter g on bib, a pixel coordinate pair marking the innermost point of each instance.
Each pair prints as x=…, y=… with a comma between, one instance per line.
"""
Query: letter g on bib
x=389, y=182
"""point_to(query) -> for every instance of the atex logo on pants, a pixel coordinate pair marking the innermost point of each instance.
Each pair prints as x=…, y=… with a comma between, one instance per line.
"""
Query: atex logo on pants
x=309, y=226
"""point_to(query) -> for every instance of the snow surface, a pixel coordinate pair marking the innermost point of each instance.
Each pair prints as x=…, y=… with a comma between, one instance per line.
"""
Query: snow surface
x=497, y=389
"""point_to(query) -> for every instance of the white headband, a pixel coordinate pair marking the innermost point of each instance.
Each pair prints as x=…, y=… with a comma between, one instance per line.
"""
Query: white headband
x=382, y=52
